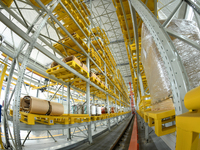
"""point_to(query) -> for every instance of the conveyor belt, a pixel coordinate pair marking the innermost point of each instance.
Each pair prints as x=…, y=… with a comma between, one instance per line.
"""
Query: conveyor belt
x=107, y=139
x=125, y=139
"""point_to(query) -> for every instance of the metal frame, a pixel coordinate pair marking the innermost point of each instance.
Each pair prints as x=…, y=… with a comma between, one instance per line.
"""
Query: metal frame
x=44, y=51
x=16, y=121
x=32, y=43
x=173, y=64
x=88, y=86
x=7, y=102
x=129, y=49
x=176, y=71
x=136, y=36
x=71, y=37
x=40, y=37
x=193, y=5
x=113, y=31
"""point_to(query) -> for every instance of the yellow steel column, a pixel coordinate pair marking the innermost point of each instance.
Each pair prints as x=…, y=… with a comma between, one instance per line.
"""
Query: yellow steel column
x=158, y=123
x=189, y=143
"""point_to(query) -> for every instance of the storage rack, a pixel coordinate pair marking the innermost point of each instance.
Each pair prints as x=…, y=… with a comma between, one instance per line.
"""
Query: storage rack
x=127, y=18
x=131, y=18
x=48, y=13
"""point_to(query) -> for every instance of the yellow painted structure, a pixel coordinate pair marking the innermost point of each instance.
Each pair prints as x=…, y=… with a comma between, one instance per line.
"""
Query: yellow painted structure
x=30, y=119
x=100, y=32
x=192, y=99
x=162, y=117
x=67, y=45
x=188, y=124
x=61, y=73
x=144, y=104
x=45, y=2
x=7, y=2
x=157, y=119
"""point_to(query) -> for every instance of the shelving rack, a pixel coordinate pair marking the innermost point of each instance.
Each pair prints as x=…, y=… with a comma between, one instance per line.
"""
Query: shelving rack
x=71, y=20
x=131, y=18
x=90, y=46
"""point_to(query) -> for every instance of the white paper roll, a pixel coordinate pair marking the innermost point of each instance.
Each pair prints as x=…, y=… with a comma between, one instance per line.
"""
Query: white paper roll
x=98, y=110
x=93, y=110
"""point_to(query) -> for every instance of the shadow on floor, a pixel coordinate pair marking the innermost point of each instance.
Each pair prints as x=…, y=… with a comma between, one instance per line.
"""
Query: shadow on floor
x=154, y=143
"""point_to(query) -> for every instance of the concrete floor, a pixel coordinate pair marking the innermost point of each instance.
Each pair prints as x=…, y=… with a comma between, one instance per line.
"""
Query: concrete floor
x=154, y=143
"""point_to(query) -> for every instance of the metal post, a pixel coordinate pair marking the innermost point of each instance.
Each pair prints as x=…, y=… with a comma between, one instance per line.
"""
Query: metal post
x=196, y=15
x=166, y=23
x=194, y=5
x=146, y=127
x=120, y=110
x=62, y=97
x=93, y=104
x=88, y=84
x=38, y=91
x=62, y=93
x=116, y=109
x=93, y=99
x=26, y=138
x=141, y=83
x=6, y=102
x=68, y=110
x=11, y=96
x=16, y=122
x=155, y=8
x=55, y=92
x=88, y=103
x=51, y=135
x=107, y=103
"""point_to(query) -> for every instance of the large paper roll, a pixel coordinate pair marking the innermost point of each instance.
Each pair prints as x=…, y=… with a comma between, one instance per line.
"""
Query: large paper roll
x=35, y=105
x=21, y=99
x=93, y=110
x=98, y=110
x=25, y=103
x=53, y=64
x=56, y=109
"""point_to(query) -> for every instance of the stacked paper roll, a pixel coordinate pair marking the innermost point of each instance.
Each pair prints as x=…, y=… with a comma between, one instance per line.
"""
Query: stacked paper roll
x=35, y=105
x=56, y=109
x=39, y=106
